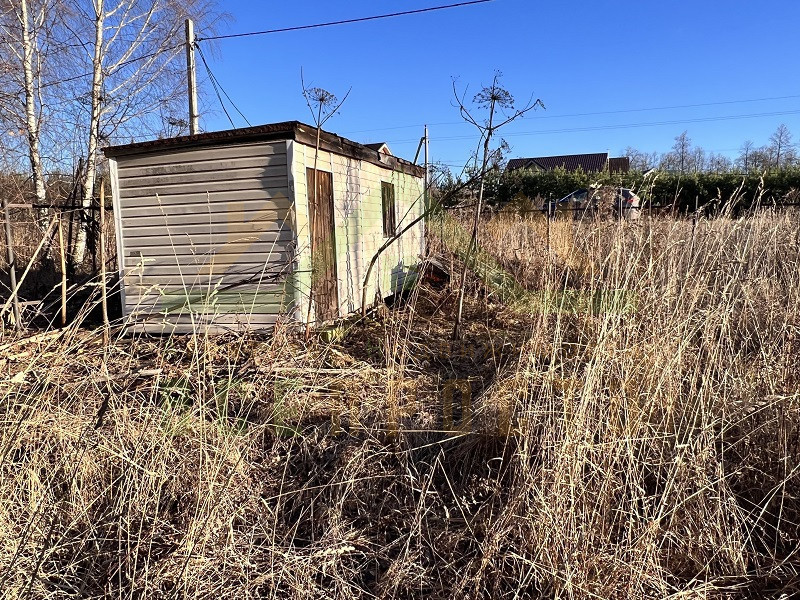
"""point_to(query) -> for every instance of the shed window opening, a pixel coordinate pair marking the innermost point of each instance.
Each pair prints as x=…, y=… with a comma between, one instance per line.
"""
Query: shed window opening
x=389, y=220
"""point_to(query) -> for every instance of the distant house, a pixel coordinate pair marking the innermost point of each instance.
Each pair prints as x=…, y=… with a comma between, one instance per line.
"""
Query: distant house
x=590, y=163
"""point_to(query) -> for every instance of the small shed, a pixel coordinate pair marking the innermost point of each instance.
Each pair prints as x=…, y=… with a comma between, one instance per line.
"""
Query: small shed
x=223, y=230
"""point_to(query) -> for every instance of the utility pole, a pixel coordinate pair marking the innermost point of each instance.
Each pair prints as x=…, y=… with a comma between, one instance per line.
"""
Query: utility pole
x=191, y=75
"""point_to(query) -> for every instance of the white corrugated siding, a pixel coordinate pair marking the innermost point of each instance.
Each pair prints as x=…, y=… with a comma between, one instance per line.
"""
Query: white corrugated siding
x=206, y=237
x=359, y=225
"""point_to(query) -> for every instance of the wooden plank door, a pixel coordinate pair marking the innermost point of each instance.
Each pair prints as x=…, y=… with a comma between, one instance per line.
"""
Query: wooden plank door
x=324, y=283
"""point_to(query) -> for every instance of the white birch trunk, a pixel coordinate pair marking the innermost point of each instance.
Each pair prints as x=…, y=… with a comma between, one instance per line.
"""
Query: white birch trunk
x=29, y=48
x=94, y=133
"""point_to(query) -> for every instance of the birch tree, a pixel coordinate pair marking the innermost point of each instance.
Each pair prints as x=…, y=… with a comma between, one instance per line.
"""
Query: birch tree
x=135, y=75
x=718, y=163
x=24, y=23
x=682, y=149
x=79, y=74
x=745, y=160
x=781, y=146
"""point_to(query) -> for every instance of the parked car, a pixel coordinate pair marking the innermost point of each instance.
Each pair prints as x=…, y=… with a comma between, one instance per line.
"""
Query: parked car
x=596, y=202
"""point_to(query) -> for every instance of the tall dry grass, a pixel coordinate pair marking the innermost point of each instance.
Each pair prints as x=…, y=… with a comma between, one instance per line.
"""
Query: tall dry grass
x=635, y=422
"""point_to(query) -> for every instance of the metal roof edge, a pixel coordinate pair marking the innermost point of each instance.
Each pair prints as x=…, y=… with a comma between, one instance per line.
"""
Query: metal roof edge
x=272, y=131
x=294, y=130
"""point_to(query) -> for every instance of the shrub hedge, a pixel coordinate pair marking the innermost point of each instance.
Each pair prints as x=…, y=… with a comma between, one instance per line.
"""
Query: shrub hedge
x=710, y=191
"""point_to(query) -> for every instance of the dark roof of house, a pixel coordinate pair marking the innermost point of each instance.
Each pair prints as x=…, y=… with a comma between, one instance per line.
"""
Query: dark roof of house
x=288, y=130
x=590, y=163
x=621, y=164
x=519, y=163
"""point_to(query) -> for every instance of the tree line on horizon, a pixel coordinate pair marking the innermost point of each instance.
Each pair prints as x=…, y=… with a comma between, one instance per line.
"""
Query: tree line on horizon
x=777, y=154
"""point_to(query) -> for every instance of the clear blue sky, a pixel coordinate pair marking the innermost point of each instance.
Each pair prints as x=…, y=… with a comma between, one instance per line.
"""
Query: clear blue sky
x=578, y=57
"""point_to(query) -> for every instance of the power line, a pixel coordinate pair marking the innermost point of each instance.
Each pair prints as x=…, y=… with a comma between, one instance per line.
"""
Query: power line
x=216, y=90
x=268, y=31
x=119, y=66
x=344, y=21
x=702, y=104
x=659, y=123
x=592, y=114
x=218, y=87
x=622, y=126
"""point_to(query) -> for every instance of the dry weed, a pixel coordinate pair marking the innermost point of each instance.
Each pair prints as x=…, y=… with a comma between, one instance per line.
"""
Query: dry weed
x=622, y=422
